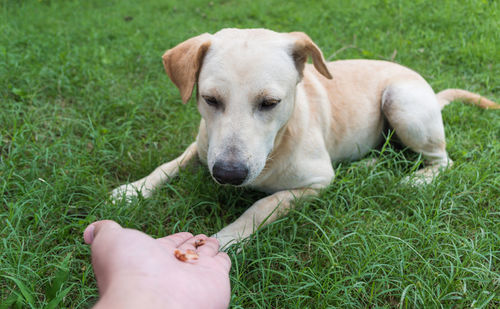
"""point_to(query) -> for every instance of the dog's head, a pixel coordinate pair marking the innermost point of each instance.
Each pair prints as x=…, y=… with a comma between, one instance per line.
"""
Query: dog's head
x=246, y=84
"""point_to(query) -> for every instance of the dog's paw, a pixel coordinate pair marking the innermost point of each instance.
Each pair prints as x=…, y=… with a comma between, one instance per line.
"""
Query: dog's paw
x=225, y=241
x=126, y=192
x=416, y=180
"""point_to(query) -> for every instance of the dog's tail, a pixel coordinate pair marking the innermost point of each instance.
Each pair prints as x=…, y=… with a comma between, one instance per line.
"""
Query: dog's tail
x=446, y=96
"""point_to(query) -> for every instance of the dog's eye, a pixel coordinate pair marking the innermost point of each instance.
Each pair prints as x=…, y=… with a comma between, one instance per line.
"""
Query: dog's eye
x=211, y=101
x=268, y=104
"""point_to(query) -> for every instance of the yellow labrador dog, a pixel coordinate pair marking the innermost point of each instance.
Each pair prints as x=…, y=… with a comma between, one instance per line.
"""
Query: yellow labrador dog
x=272, y=122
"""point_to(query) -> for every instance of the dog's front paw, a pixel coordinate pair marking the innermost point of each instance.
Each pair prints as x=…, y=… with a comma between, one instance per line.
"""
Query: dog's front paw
x=414, y=181
x=225, y=241
x=128, y=192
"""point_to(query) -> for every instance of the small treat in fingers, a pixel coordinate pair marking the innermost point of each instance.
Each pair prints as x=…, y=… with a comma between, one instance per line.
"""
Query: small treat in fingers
x=198, y=243
x=189, y=255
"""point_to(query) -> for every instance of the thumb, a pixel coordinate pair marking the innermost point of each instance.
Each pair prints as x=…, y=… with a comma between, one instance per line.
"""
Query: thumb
x=94, y=228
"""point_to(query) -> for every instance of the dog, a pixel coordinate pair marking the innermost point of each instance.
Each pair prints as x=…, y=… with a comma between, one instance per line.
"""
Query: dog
x=275, y=123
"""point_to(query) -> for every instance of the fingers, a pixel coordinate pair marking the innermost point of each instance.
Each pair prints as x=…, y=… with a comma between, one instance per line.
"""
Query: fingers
x=224, y=260
x=177, y=239
x=209, y=248
x=93, y=229
x=193, y=243
x=203, y=245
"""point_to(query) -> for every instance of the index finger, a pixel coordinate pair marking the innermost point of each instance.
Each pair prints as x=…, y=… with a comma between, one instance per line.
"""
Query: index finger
x=176, y=239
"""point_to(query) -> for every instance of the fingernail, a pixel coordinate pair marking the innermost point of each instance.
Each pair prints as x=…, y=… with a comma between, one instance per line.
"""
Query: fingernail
x=88, y=234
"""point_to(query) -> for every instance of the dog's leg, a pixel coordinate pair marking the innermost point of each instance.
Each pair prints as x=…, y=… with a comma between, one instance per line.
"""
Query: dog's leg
x=413, y=111
x=261, y=213
x=161, y=174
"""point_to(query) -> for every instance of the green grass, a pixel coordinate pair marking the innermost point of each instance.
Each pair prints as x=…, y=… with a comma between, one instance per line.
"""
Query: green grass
x=85, y=106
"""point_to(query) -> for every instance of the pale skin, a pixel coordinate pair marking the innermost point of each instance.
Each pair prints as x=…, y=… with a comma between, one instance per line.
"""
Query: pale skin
x=133, y=270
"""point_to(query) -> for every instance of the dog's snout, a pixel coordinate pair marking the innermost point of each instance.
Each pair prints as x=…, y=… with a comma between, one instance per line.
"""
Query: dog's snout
x=229, y=172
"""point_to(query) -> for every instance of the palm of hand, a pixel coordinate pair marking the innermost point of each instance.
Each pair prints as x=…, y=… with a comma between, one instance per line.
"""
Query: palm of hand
x=129, y=257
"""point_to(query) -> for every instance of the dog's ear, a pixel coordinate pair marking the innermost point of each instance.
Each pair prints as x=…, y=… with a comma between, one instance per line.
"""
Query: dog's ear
x=183, y=62
x=304, y=47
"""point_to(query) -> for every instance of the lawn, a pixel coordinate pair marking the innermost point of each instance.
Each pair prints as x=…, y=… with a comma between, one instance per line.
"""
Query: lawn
x=85, y=106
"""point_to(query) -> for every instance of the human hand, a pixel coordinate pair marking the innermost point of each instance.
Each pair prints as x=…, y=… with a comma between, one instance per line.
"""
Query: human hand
x=133, y=270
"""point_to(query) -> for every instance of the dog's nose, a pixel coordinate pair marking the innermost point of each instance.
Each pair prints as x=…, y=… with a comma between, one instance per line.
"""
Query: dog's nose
x=229, y=172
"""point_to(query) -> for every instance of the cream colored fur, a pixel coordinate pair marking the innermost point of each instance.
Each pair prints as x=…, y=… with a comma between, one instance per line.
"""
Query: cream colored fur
x=326, y=112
